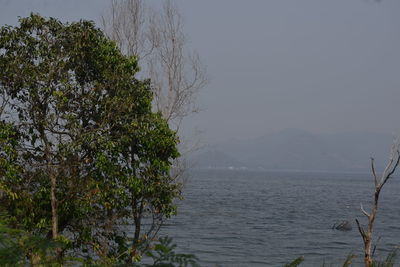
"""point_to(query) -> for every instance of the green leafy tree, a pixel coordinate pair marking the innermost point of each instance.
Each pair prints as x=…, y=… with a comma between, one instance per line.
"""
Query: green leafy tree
x=83, y=159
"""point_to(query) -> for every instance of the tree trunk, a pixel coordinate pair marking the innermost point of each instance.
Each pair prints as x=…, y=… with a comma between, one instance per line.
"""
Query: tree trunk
x=54, y=215
x=367, y=249
x=53, y=184
x=138, y=221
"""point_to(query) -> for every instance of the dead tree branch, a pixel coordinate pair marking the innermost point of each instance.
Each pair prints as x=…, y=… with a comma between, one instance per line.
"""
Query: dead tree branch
x=366, y=235
x=157, y=38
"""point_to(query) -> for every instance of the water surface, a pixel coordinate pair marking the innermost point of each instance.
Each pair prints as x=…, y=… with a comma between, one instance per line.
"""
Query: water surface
x=249, y=218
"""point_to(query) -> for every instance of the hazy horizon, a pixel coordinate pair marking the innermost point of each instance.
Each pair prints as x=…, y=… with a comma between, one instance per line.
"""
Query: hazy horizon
x=324, y=67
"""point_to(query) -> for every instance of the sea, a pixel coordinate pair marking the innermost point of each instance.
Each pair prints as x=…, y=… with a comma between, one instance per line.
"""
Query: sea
x=269, y=218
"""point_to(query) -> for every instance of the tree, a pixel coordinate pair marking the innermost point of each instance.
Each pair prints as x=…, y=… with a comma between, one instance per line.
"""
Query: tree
x=157, y=38
x=379, y=182
x=83, y=158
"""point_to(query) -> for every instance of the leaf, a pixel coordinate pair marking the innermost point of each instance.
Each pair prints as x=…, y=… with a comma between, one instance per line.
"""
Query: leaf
x=296, y=262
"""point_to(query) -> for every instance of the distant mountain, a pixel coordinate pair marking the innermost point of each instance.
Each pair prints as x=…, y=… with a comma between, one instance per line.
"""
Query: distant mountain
x=294, y=149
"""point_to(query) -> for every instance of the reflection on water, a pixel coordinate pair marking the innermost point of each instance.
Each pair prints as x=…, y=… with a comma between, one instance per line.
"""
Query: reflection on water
x=244, y=218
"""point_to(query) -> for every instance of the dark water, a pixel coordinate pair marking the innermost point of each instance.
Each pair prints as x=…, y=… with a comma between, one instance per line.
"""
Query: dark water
x=245, y=218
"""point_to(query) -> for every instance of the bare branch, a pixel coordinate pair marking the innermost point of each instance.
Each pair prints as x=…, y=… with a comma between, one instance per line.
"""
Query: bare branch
x=389, y=164
x=373, y=172
x=394, y=157
x=157, y=38
x=360, y=229
x=395, y=165
x=363, y=211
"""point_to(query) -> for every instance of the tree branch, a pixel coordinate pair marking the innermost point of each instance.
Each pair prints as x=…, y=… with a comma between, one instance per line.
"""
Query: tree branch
x=360, y=229
x=363, y=211
x=373, y=172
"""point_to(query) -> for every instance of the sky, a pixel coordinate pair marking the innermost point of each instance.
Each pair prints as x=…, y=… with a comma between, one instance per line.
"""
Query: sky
x=317, y=65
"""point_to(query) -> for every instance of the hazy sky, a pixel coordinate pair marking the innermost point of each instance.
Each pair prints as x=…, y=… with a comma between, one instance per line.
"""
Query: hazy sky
x=317, y=65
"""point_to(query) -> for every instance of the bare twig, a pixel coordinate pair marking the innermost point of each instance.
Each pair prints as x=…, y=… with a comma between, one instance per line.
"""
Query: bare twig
x=360, y=229
x=373, y=171
x=363, y=211
x=157, y=38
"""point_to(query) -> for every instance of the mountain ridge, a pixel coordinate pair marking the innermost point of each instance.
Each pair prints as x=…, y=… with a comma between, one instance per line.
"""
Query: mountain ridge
x=295, y=149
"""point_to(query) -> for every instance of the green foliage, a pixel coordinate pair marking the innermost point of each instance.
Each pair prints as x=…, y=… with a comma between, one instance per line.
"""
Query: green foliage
x=163, y=255
x=296, y=262
x=19, y=248
x=82, y=156
x=16, y=245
